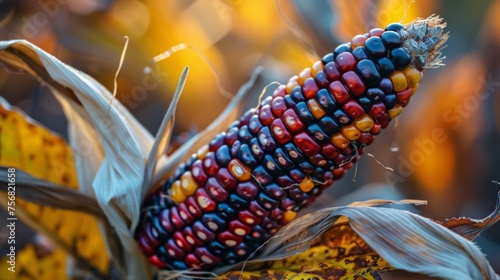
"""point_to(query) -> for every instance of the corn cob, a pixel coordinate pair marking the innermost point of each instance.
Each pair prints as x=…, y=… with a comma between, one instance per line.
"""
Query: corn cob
x=249, y=181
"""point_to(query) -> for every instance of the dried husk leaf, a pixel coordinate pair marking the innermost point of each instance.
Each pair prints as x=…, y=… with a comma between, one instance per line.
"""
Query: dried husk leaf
x=116, y=158
x=49, y=194
x=119, y=146
x=405, y=240
x=471, y=228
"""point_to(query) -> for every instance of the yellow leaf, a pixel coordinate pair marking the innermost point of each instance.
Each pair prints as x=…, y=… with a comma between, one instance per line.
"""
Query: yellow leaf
x=339, y=253
x=32, y=148
x=51, y=266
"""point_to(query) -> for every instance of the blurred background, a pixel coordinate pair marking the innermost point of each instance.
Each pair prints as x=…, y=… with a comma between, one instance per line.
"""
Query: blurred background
x=457, y=172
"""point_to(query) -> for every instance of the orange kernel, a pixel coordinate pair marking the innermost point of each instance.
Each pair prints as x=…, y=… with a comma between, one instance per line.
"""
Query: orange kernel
x=289, y=216
x=188, y=184
x=176, y=193
x=315, y=109
x=239, y=171
x=306, y=185
x=340, y=141
x=351, y=132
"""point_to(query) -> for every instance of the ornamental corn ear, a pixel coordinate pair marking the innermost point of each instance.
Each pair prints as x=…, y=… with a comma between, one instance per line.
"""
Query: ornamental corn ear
x=249, y=181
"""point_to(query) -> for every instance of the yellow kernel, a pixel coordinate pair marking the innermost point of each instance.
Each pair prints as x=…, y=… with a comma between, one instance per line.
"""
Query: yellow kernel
x=412, y=76
x=239, y=171
x=202, y=152
x=351, y=132
x=291, y=84
x=289, y=216
x=176, y=193
x=304, y=75
x=340, y=141
x=188, y=184
x=315, y=109
x=414, y=89
x=399, y=82
x=306, y=185
x=316, y=67
x=365, y=123
x=395, y=111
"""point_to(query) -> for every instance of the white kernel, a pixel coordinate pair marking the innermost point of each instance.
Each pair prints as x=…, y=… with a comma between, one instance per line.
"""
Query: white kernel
x=282, y=160
x=230, y=243
x=212, y=226
x=196, y=171
x=201, y=235
x=183, y=215
x=270, y=165
x=203, y=202
x=179, y=243
x=206, y=259
x=241, y=252
x=238, y=171
x=263, y=139
x=171, y=252
x=290, y=121
x=256, y=149
x=240, y=231
x=278, y=131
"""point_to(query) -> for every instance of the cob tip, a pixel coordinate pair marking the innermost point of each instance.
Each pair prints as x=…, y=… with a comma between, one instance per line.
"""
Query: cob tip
x=424, y=39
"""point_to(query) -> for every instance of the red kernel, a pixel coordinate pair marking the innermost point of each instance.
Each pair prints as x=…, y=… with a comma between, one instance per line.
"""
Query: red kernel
x=279, y=132
x=358, y=40
x=339, y=92
x=403, y=97
x=376, y=32
x=306, y=144
x=309, y=88
x=292, y=121
x=278, y=106
x=353, y=109
x=345, y=62
x=331, y=71
x=354, y=83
